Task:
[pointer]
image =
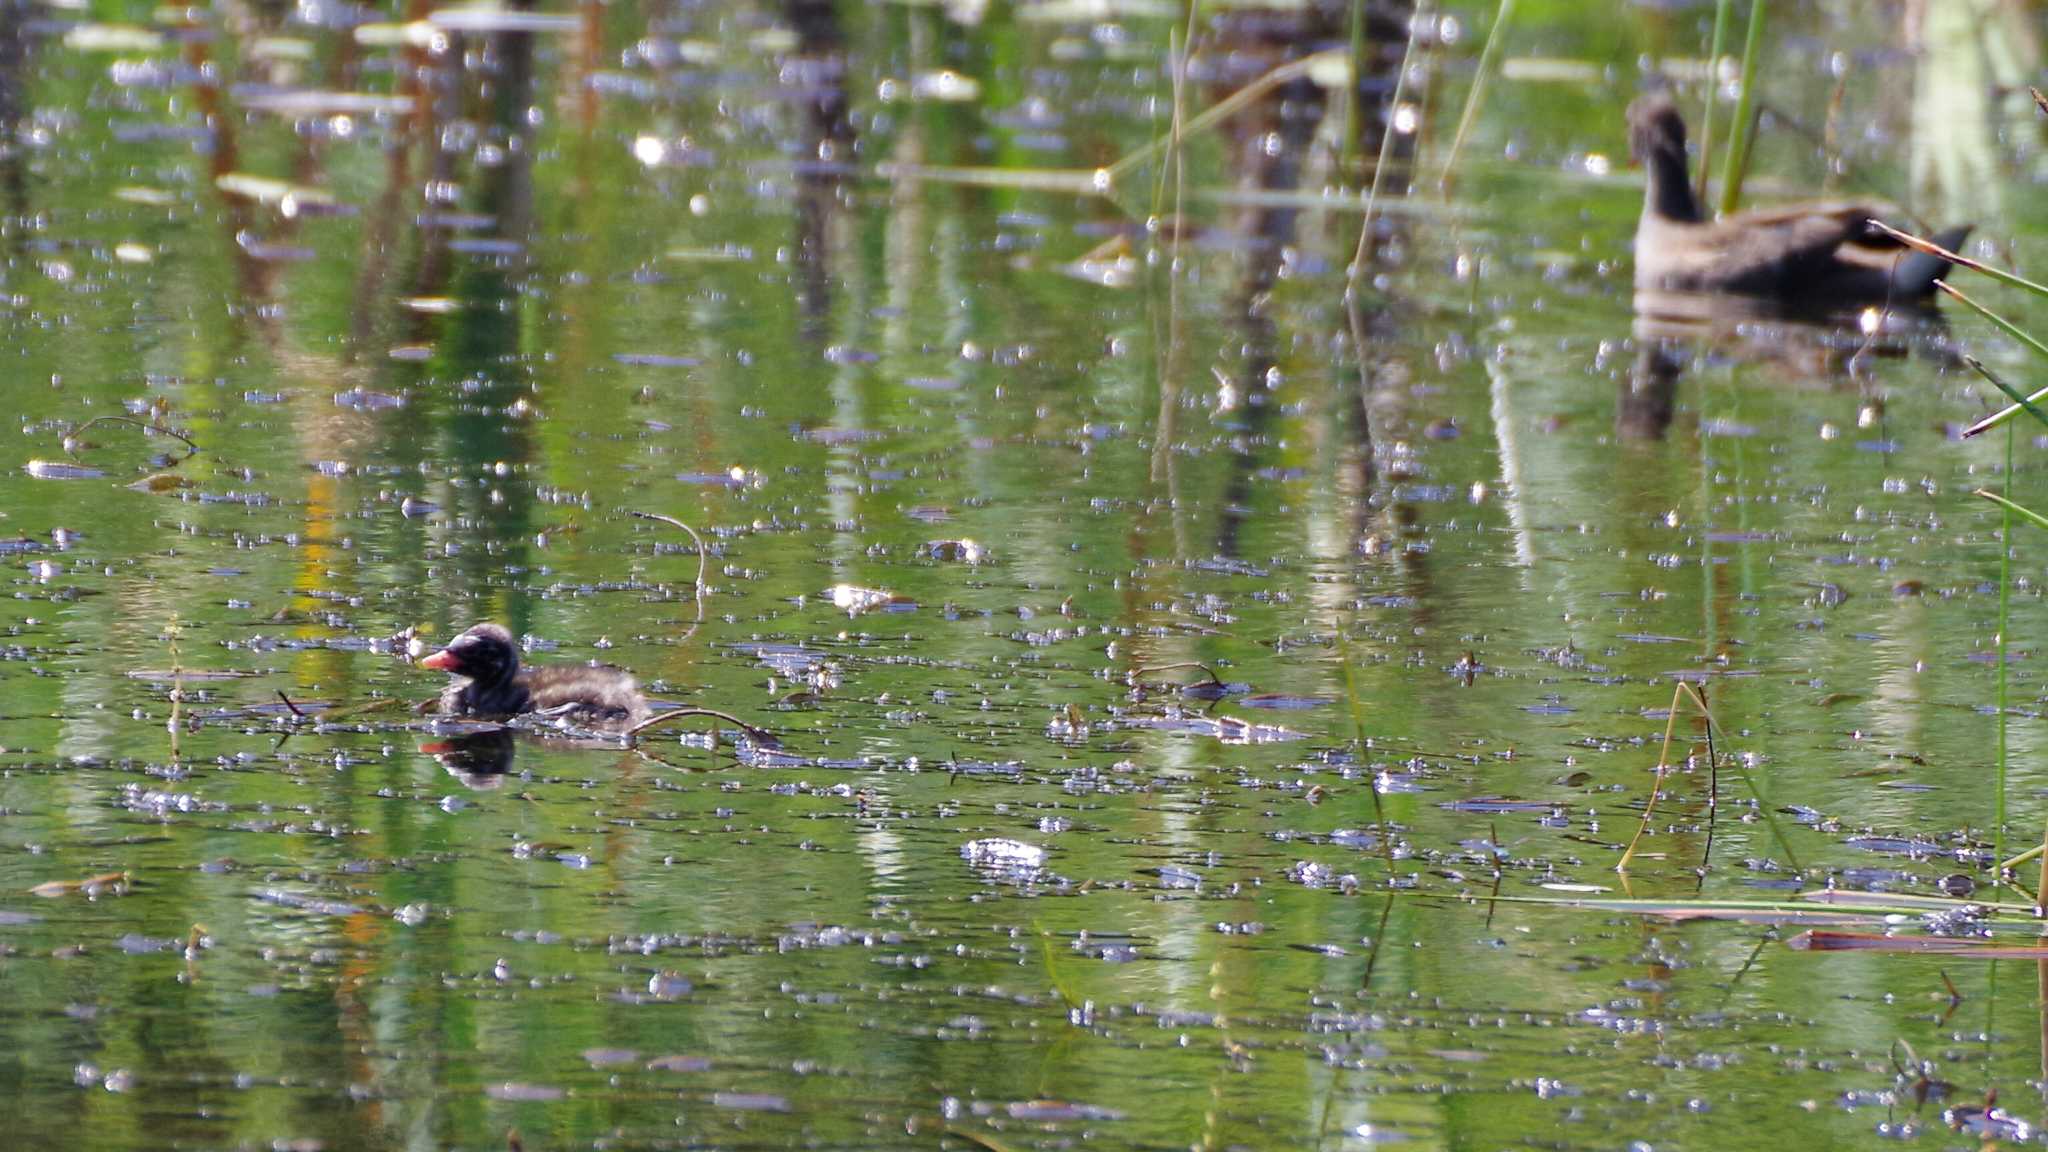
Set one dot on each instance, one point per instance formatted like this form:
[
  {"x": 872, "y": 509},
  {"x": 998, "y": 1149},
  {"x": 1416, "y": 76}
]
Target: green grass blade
[
  {"x": 1714, "y": 51},
  {"x": 2012, "y": 393},
  {"x": 2027, "y": 514},
  {"x": 1055, "y": 971},
  {"x": 1477, "y": 96},
  {"x": 2014, "y": 331},
  {"x": 1736, "y": 166}
]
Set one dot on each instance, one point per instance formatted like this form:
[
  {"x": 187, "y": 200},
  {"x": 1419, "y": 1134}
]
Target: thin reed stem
[
  {"x": 1221, "y": 109},
  {"x": 1737, "y": 164},
  {"x": 1716, "y": 47},
  {"x": 1477, "y": 96},
  {"x": 2004, "y": 626}
]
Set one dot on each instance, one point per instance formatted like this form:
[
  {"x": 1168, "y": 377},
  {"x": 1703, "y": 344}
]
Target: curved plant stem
[
  {"x": 697, "y": 593},
  {"x": 1663, "y": 765},
  {"x": 1687, "y": 691},
  {"x": 143, "y": 424}
]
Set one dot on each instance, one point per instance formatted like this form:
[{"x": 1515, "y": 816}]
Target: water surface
[{"x": 1066, "y": 557}]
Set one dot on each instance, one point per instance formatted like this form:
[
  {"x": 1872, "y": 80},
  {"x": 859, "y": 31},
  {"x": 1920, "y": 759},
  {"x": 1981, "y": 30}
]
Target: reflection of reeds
[
  {"x": 1175, "y": 171},
  {"x": 1354, "y": 707},
  {"x": 1353, "y": 100},
  {"x": 1473, "y": 100},
  {"x": 1355, "y": 275},
  {"x": 1971, "y": 60},
  {"x": 1223, "y": 108}
]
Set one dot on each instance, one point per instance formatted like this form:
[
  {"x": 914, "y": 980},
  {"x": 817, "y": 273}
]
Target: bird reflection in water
[
  {"x": 1672, "y": 331},
  {"x": 481, "y": 760}
]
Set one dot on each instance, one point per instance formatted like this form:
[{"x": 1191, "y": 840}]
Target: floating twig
[
  {"x": 1816, "y": 941},
  {"x": 288, "y": 703},
  {"x": 1132, "y": 677},
  {"x": 143, "y": 424},
  {"x": 981, "y": 1138},
  {"x": 90, "y": 884},
  {"x": 760, "y": 735}
]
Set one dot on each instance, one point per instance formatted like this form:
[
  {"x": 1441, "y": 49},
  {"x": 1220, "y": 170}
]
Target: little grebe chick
[{"x": 493, "y": 683}]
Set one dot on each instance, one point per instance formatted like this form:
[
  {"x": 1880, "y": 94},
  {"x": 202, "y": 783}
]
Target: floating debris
[
  {"x": 750, "y": 1101},
  {"x": 159, "y": 483},
  {"x": 1109, "y": 264},
  {"x": 288, "y": 198},
  {"x": 1009, "y": 860},
  {"x": 56, "y": 470},
  {"x": 307, "y": 102},
  {"x": 104, "y": 884},
  {"x": 492, "y": 19},
  {"x": 112, "y": 38},
  {"x": 944, "y": 86},
  {"x": 724, "y": 254},
  {"x": 513, "y": 1090},
  {"x": 961, "y": 551},
  {"x": 364, "y": 400},
  {"x": 855, "y": 600},
  {"x": 150, "y": 197}
]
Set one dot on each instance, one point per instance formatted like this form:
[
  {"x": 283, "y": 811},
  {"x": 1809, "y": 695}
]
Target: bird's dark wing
[{"x": 1759, "y": 252}]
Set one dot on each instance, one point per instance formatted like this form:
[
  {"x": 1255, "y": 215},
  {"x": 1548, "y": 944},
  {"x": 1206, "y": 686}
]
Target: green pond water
[{"x": 829, "y": 284}]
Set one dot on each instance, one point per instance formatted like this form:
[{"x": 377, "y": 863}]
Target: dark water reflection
[{"x": 1053, "y": 534}]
